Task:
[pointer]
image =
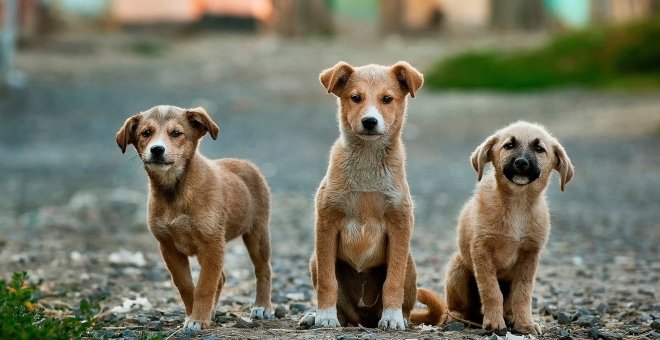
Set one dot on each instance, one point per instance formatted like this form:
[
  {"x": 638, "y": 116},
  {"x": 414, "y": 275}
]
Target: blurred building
[{"x": 302, "y": 17}]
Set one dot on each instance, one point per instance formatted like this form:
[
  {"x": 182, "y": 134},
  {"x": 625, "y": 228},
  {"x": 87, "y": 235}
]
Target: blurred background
[{"x": 73, "y": 208}]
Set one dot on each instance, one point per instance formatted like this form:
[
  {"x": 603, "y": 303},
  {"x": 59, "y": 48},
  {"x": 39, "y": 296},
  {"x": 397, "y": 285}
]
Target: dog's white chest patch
[{"x": 362, "y": 242}]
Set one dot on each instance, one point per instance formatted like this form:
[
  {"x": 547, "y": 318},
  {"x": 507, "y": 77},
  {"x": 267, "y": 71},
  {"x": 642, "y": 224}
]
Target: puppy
[
  {"x": 503, "y": 228},
  {"x": 362, "y": 268},
  {"x": 197, "y": 204}
]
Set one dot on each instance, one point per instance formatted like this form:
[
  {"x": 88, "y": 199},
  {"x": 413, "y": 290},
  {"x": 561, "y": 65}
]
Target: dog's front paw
[
  {"x": 392, "y": 319},
  {"x": 495, "y": 324},
  {"x": 308, "y": 320},
  {"x": 326, "y": 318},
  {"x": 529, "y": 328},
  {"x": 259, "y": 313},
  {"x": 194, "y": 325}
]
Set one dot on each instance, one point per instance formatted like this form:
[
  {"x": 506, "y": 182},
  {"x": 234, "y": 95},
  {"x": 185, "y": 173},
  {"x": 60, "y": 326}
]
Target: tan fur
[
  {"x": 364, "y": 213},
  {"x": 196, "y": 205},
  {"x": 502, "y": 230}
]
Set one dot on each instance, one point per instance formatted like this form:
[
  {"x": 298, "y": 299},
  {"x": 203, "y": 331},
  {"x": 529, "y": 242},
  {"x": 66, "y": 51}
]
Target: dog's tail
[{"x": 435, "y": 311}]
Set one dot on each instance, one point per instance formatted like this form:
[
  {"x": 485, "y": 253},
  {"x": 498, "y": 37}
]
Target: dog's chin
[
  {"x": 520, "y": 180},
  {"x": 158, "y": 165},
  {"x": 369, "y": 136}
]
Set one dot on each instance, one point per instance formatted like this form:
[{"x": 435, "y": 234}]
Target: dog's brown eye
[
  {"x": 176, "y": 133},
  {"x": 387, "y": 99},
  {"x": 146, "y": 133},
  {"x": 539, "y": 149},
  {"x": 509, "y": 146},
  {"x": 356, "y": 98}
]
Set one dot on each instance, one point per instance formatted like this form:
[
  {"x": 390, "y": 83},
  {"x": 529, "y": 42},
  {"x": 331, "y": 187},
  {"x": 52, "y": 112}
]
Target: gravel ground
[{"x": 72, "y": 207}]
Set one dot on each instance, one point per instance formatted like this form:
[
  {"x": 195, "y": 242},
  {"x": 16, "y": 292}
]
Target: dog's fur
[
  {"x": 362, "y": 268},
  {"x": 197, "y": 204},
  {"x": 503, "y": 228}
]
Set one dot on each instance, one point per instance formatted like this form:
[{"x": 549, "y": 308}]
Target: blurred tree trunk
[
  {"x": 302, "y": 17},
  {"x": 517, "y": 14}
]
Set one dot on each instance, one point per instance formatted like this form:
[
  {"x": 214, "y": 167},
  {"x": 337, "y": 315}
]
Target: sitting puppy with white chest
[
  {"x": 362, "y": 268},
  {"x": 503, "y": 228},
  {"x": 196, "y": 205}
]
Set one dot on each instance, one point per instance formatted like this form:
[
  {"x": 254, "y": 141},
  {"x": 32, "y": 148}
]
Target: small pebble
[
  {"x": 242, "y": 323},
  {"x": 156, "y": 326},
  {"x": 129, "y": 334},
  {"x": 564, "y": 318},
  {"x": 188, "y": 333},
  {"x": 586, "y": 320},
  {"x": 369, "y": 336},
  {"x": 655, "y": 325},
  {"x": 220, "y": 319},
  {"x": 142, "y": 319},
  {"x": 280, "y": 311},
  {"x": 455, "y": 326}
]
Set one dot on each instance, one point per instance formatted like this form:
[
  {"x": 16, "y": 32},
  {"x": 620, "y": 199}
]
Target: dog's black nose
[
  {"x": 157, "y": 150},
  {"x": 521, "y": 163},
  {"x": 369, "y": 123}
]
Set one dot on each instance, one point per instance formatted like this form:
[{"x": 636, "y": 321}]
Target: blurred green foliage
[
  {"x": 621, "y": 56},
  {"x": 22, "y": 318}
]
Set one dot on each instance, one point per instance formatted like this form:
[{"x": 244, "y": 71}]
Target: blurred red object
[{"x": 149, "y": 11}]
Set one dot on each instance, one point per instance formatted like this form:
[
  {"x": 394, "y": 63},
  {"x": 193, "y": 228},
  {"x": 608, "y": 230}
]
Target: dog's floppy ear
[
  {"x": 563, "y": 166},
  {"x": 335, "y": 78},
  {"x": 409, "y": 78},
  {"x": 202, "y": 122},
  {"x": 482, "y": 155},
  {"x": 126, "y": 134}
]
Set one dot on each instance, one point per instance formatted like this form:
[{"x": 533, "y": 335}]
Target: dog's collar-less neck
[
  {"x": 528, "y": 195},
  {"x": 171, "y": 191}
]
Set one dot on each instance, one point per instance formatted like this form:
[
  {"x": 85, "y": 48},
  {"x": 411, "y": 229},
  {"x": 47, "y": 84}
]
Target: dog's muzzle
[{"x": 522, "y": 170}]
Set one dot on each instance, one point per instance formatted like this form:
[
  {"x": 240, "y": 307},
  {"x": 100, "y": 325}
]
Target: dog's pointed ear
[
  {"x": 334, "y": 79},
  {"x": 563, "y": 165},
  {"x": 409, "y": 78},
  {"x": 202, "y": 122},
  {"x": 127, "y": 133},
  {"x": 482, "y": 155}
]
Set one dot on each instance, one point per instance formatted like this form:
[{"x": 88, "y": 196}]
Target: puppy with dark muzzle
[{"x": 503, "y": 228}]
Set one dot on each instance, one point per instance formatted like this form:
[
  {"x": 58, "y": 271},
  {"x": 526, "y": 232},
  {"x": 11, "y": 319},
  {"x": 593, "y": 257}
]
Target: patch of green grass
[
  {"x": 623, "y": 56},
  {"x": 148, "y": 48},
  {"x": 22, "y": 318}
]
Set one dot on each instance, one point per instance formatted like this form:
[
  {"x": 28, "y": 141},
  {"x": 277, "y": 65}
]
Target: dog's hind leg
[
  {"x": 457, "y": 289},
  {"x": 223, "y": 278},
  {"x": 257, "y": 242}
]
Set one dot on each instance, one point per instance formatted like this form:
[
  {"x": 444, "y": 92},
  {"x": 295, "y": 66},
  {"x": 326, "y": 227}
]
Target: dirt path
[{"x": 69, "y": 199}]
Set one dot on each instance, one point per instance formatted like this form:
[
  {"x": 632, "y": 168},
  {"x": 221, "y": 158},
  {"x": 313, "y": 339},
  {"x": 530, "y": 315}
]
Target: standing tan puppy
[
  {"x": 503, "y": 228},
  {"x": 197, "y": 204},
  {"x": 362, "y": 268}
]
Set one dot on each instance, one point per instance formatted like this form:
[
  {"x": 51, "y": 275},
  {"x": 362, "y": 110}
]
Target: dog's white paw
[
  {"x": 192, "y": 325},
  {"x": 307, "y": 320},
  {"x": 532, "y": 328},
  {"x": 327, "y": 318},
  {"x": 392, "y": 319},
  {"x": 259, "y": 313}
]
